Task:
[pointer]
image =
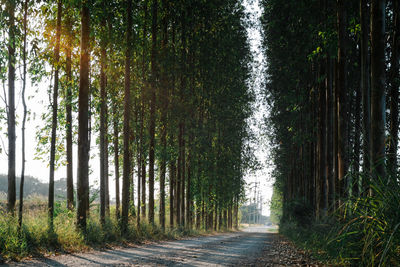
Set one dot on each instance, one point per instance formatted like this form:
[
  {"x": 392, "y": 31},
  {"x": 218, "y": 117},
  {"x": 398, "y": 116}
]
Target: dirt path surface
[{"x": 251, "y": 247}]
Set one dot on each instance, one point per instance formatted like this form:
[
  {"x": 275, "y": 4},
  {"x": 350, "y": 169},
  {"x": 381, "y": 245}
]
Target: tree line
[
  {"x": 164, "y": 85},
  {"x": 333, "y": 85}
]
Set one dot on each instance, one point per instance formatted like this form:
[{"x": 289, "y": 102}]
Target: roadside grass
[
  {"x": 364, "y": 231},
  {"x": 35, "y": 239}
]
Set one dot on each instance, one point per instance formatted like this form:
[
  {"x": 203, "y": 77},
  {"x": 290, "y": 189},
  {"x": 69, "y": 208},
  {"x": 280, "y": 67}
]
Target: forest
[
  {"x": 162, "y": 89},
  {"x": 333, "y": 90}
]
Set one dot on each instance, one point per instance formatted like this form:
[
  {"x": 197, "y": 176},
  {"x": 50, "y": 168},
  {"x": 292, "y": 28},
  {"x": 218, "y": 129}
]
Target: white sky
[
  {"x": 262, "y": 176},
  {"x": 39, "y": 101}
]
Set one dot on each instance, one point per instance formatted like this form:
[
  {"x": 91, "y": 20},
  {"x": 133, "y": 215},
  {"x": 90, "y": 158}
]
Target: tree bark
[
  {"x": 342, "y": 111},
  {"x": 356, "y": 160},
  {"x": 179, "y": 180},
  {"x": 188, "y": 192},
  {"x": 127, "y": 110},
  {"x": 142, "y": 144},
  {"x": 11, "y": 193},
  {"x": 21, "y": 186},
  {"x": 83, "y": 138},
  {"x": 103, "y": 118},
  {"x": 172, "y": 191},
  {"x": 378, "y": 83},
  {"x": 68, "y": 115},
  {"x": 394, "y": 90},
  {"x": 152, "y": 109},
  {"x": 116, "y": 158},
  {"x": 164, "y": 100},
  {"x": 54, "y": 117},
  {"x": 330, "y": 130},
  {"x": 366, "y": 93},
  {"x": 182, "y": 121}
]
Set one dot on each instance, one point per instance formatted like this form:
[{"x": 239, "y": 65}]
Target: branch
[{"x": 2, "y": 142}]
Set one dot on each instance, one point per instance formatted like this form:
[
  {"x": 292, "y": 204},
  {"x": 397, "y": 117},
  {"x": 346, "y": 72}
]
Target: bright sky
[
  {"x": 39, "y": 101},
  {"x": 262, "y": 176}
]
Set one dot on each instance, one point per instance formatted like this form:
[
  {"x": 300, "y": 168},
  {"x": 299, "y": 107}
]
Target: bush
[{"x": 365, "y": 231}]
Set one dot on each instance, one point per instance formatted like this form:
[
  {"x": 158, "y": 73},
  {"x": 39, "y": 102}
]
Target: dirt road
[{"x": 244, "y": 248}]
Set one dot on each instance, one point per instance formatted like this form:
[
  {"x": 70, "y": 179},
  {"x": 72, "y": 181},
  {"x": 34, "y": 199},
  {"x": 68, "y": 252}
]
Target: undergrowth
[
  {"x": 364, "y": 231},
  {"x": 35, "y": 239}
]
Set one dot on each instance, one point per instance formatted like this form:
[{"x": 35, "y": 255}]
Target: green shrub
[{"x": 365, "y": 231}]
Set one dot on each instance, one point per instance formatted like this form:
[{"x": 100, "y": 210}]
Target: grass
[
  {"x": 364, "y": 231},
  {"x": 35, "y": 239}
]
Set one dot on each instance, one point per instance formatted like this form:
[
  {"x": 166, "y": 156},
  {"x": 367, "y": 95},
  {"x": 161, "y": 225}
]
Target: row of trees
[
  {"x": 333, "y": 66},
  {"x": 165, "y": 83}
]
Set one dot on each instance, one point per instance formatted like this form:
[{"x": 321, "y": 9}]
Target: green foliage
[
  {"x": 365, "y": 231},
  {"x": 276, "y": 206}
]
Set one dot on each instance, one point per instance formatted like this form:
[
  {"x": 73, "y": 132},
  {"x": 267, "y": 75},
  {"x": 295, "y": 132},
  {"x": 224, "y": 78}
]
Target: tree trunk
[
  {"x": 164, "y": 100},
  {"x": 54, "y": 117},
  {"x": 103, "y": 118},
  {"x": 21, "y": 186},
  {"x": 183, "y": 177},
  {"x": 172, "y": 191},
  {"x": 329, "y": 122},
  {"x": 366, "y": 93},
  {"x": 142, "y": 145},
  {"x": 127, "y": 110},
  {"x": 322, "y": 179},
  {"x": 116, "y": 158},
  {"x": 188, "y": 192},
  {"x": 342, "y": 112},
  {"x": 394, "y": 90},
  {"x": 143, "y": 167},
  {"x": 178, "y": 182},
  {"x": 152, "y": 110},
  {"x": 139, "y": 164},
  {"x": 378, "y": 83},
  {"x": 182, "y": 123},
  {"x": 83, "y": 138},
  {"x": 356, "y": 160},
  {"x": 68, "y": 115},
  {"x": 11, "y": 194},
  {"x": 139, "y": 179}
]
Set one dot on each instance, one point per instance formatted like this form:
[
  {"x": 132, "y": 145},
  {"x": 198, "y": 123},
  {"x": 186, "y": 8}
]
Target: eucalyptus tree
[
  {"x": 24, "y": 72},
  {"x": 378, "y": 86},
  {"x": 11, "y": 194},
  {"x": 127, "y": 111},
  {"x": 54, "y": 114},
  {"x": 83, "y": 102}
]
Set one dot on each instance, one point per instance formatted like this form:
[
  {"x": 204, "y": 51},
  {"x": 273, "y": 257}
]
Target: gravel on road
[{"x": 254, "y": 246}]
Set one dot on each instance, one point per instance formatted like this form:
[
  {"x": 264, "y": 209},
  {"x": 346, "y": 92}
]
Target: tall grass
[
  {"x": 35, "y": 239},
  {"x": 364, "y": 231}
]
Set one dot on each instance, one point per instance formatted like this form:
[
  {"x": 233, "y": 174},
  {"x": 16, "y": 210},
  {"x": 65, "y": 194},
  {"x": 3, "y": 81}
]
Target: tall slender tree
[
  {"x": 127, "y": 110},
  {"x": 342, "y": 96},
  {"x": 83, "y": 116},
  {"x": 68, "y": 111},
  {"x": 152, "y": 108},
  {"x": 21, "y": 186},
  {"x": 54, "y": 114},
  {"x": 378, "y": 85},
  {"x": 365, "y": 88},
  {"x": 11, "y": 195},
  {"x": 394, "y": 89}
]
